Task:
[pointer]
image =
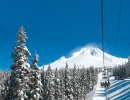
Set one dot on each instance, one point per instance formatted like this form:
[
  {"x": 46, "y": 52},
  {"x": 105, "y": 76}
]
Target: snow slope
[
  {"x": 99, "y": 92},
  {"x": 88, "y": 56},
  {"x": 118, "y": 90}
]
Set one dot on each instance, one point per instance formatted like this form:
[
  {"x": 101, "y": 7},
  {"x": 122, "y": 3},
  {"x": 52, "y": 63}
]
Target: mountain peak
[
  {"x": 62, "y": 58},
  {"x": 93, "y": 51},
  {"x": 88, "y": 56}
]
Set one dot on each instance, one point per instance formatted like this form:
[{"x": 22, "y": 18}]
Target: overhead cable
[
  {"x": 123, "y": 52},
  {"x": 102, "y": 22}
]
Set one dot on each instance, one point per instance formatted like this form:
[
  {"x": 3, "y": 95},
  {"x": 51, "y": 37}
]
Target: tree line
[
  {"x": 68, "y": 84},
  {"x": 122, "y": 71},
  {"x": 27, "y": 82}
]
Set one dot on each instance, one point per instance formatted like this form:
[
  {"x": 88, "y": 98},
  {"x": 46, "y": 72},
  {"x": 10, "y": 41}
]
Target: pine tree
[
  {"x": 36, "y": 89},
  {"x": 20, "y": 69},
  {"x": 57, "y": 87},
  {"x": 119, "y": 71},
  {"x": 49, "y": 85},
  {"x": 83, "y": 83},
  {"x": 93, "y": 76},
  {"x": 122, "y": 71},
  {"x": 5, "y": 90},
  {"x": 68, "y": 85},
  {"x": 62, "y": 84},
  {"x": 4, "y": 85},
  {"x": 43, "y": 79},
  {"x": 128, "y": 67},
  {"x": 75, "y": 84},
  {"x": 88, "y": 81},
  {"x": 115, "y": 72}
]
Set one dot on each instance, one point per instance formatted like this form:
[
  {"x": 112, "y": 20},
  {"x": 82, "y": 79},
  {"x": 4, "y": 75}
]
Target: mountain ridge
[{"x": 87, "y": 56}]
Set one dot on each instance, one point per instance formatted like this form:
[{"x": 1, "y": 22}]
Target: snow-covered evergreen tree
[
  {"x": 122, "y": 74},
  {"x": 75, "y": 84},
  {"x": 88, "y": 81},
  {"x": 4, "y": 85},
  {"x": 83, "y": 83},
  {"x": 18, "y": 89},
  {"x": 127, "y": 68},
  {"x": 115, "y": 72},
  {"x": 62, "y": 84},
  {"x": 68, "y": 85},
  {"x": 5, "y": 90},
  {"x": 36, "y": 87},
  {"x": 49, "y": 85},
  {"x": 122, "y": 71},
  {"x": 43, "y": 79},
  {"x": 57, "y": 87},
  {"x": 93, "y": 76}
]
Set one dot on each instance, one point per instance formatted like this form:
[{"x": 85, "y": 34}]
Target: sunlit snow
[
  {"x": 88, "y": 56},
  {"x": 118, "y": 90}
]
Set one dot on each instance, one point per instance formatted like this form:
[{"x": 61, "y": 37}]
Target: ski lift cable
[
  {"x": 123, "y": 52},
  {"x": 102, "y": 22},
  {"x": 118, "y": 26}
]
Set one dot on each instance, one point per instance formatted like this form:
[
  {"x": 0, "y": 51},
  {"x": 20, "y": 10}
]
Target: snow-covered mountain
[{"x": 88, "y": 56}]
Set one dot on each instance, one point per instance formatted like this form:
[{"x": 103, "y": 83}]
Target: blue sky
[{"x": 57, "y": 27}]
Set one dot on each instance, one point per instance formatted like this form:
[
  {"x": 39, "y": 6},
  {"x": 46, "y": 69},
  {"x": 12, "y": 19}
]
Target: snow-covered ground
[
  {"x": 88, "y": 56},
  {"x": 99, "y": 92},
  {"x": 119, "y": 90}
]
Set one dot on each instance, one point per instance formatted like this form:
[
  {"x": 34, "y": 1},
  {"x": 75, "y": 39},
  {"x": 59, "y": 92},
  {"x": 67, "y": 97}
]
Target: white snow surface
[
  {"x": 118, "y": 90},
  {"x": 99, "y": 92},
  {"x": 87, "y": 56}
]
